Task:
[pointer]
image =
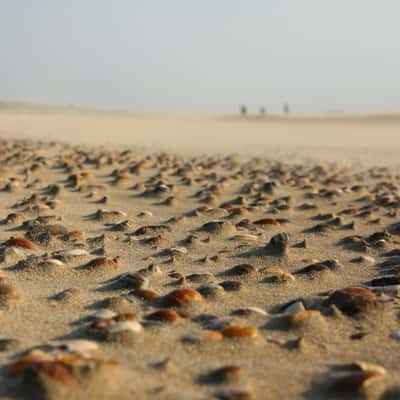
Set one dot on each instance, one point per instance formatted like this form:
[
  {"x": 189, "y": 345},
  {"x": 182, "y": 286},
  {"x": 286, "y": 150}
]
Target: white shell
[
  {"x": 123, "y": 326},
  {"x": 295, "y": 307},
  {"x": 52, "y": 261},
  {"x": 75, "y": 252},
  {"x": 256, "y": 310},
  {"x": 105, "y": 313},
  {"x": 178, "y": 250},
  {"x": 79, "y": 346}
]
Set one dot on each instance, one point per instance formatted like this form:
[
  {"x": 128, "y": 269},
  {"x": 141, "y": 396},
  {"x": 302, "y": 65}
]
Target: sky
[{"x": 209, "y": 56}]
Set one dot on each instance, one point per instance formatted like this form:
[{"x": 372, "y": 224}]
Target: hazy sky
[{"x": 202, "y": 56}]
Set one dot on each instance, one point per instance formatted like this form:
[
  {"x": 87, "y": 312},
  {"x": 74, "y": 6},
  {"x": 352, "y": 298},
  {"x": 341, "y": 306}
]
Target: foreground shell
[
  {"x": 355, "y": 300},
  {"x": 180, "y": 297},
  {"x": 21, "y": 243}
]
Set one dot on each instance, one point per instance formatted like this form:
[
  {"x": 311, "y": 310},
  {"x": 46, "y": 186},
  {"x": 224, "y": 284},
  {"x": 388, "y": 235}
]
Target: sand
[{"x": 325, "y": 177}]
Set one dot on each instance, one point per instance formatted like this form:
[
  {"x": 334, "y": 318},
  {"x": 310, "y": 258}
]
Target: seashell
[
  {"x": 71, "y": 254},
  {"x": 51, "y": 262},
  {"x": 356, "y": 382},
  {"x": 300, "y": 317},
  {"x": 368, "y": 367},
  {"x": 277, "y": 275},
  {"x": 240, "y": 332},
  {"x": 280, "y": 242},
  {"x": 127, "y": 316},
  {"x": 247, "y": 311},
  {"x": 177, "y": 251},
  {"x": 36, "y": 356},
  {"x": 109, "y": 216},
  {"x": 124, "y": 326},
  {"x": 203, "y": 337},
  {"x": 133, "y": 280},
  {"x": 14, "y": 218},
  {"x": 266, "y": 221},
  {"x": 211, "y": 290},
  {"x": 355, "y": 300},
  {"x": 151, "y": 229},
  {"x": 21, "y": 243},
  {"x": 101, "y": 262},
  {"x": 231, "y": 286},
  {"x": 294, "y": 307},
  {"x": 200, "y": 277},
  {"x": 165, "y": 315},
  {"x": 219, "y": 228},
  {"x": 181, "y": 297},
  {"x": 241, "y": 269},
  {"x": 322, "y": 266},
  {"x": 145, "y": 294},
  {"x": 362, "y": 259},
  {"x": 116, "y": 303}
]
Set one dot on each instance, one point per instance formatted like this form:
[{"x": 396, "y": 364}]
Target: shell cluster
[{"x": 165, "y": 276}]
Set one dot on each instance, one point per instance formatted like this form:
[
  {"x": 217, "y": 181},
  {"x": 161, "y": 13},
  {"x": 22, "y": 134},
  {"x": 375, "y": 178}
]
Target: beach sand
[{"x": 193, "y": 203}]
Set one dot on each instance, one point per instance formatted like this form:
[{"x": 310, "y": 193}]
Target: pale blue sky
[{"x": 202, "y": 56}]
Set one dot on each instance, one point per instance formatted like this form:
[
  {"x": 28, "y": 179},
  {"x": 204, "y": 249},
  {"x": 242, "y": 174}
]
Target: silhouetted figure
[
  {"x": 243, "y": 110},
  {"x": 286, "y": 109},
  {"x": 263, "y": 111}
]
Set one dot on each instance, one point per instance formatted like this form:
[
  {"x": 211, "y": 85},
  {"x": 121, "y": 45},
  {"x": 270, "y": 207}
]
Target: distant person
[
  {"x": 263, "y": 111},
  {"x": 286, "y": 109},
  {"x": 243, "y": 110}
]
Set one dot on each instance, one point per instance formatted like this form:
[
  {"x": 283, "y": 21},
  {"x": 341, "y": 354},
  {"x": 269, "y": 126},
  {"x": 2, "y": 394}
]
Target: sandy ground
[
  {"x": 370, "y": 139},
  {"x": 313, "y": 178}
]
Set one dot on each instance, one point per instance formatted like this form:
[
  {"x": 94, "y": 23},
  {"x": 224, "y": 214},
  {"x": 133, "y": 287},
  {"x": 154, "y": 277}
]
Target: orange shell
[
  {"x": 21, "y": 242},
  {"x": 240, "y": 331},
  {"x": 164, "y": 315},
  {"x": 180, "y": 297}
]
